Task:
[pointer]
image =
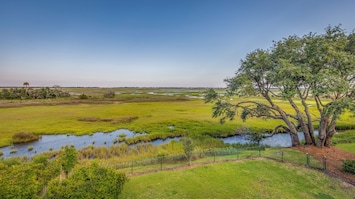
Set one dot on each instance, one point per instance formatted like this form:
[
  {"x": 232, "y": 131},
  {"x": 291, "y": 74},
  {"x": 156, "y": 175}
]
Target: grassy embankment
[
  {"x": 345, "y": 140},
  {"x": 246, "y": 179},
  {"x": 159, "y": 112}
]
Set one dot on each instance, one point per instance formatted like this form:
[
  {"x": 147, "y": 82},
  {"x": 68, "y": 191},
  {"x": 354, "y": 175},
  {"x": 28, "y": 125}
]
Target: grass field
[
  {"x": 159, "y": 112},
  {"x": 347, "y": 147},
  {"x": 244, "y": 179},
  {"x": 345, "y": 140}
]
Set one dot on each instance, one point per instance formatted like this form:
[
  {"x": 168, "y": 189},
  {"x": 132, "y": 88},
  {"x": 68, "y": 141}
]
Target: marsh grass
[
  {"x": 13, "y": 151},
  {"x": 150, "y": 117},
  {"x": 148, "y": 110},
  {"x": 24, "y": 137},
  {"x": 347, "y": 136}
]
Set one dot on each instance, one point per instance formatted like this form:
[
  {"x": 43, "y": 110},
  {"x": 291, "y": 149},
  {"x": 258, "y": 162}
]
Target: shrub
[
  {"x": 110, "y": 94},
  {"x": 68, "y": 159},
  {"x": 32, "y": 93},
  {"x": 40, "y": 159},
  {"x": 83, "y": 96},
  {"x": 349, "y": 166},
  {"x": 19, "y": 181},
  {"x": 24, "y": 137},
  {"x": 1, "y": 153},
  {"x": 9, "y": 162},
  {"x": 91, "y": 181}
]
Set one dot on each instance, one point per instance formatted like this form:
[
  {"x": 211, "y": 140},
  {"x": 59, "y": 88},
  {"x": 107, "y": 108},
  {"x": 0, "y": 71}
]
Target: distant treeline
[{"x": 32, "y": 93}]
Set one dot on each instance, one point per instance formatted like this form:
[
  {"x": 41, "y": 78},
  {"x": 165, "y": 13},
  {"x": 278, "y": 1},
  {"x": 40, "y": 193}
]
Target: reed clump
[{"x": 24, "y": 137}]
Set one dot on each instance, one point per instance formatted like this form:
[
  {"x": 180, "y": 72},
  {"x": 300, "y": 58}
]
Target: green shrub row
[{"x": 32, "y": 93}]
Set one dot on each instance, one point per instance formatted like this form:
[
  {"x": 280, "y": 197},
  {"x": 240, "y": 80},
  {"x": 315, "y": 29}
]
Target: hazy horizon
[{"x": 157, "y": 43}]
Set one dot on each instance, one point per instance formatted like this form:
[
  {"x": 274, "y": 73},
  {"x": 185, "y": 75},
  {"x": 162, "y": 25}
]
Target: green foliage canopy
[
  {"x": 318, "y": 68},
  {"x": 68, "y": 159},
  {"x": 91, "y": 181}
]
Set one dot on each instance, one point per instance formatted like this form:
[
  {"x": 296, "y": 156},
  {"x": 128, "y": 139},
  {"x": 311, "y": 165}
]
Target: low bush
[
  {"x": 110, "y": 94},
  {"x": 349, "y": 166},
  {"x": 83, "y": 96},
  {"x": 91, "y": 181}
]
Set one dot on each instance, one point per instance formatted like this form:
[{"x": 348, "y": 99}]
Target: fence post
[
  {"x": 324, "y": 163},
  {"x": 307, "y": 159},
  {"x": 214, "y": 156},
  {"x": 282, "y": 156},
  {"x": 161, "y": 163}
]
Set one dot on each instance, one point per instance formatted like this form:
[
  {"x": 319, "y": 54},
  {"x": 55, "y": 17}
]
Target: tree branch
[{"x": 274, "y": 131}]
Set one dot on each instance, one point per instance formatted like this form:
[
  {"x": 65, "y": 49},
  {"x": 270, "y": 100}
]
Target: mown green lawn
[
  {"x": 347, "y": 147},
  {"x": 244, "y": 179}
]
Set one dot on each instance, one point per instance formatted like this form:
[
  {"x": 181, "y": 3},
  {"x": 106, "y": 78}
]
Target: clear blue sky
[{"x": 147, "y": 43}]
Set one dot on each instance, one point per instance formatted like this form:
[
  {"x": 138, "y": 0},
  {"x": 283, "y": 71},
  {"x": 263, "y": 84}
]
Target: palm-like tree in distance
[{"x": 26, "y": 84}]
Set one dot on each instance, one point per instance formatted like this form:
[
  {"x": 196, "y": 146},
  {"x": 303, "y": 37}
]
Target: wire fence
[{"x": 160, "y": 163}]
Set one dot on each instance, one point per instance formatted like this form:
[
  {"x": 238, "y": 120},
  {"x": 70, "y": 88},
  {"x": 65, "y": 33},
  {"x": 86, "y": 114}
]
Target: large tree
[{"x": 314, "y": 68}]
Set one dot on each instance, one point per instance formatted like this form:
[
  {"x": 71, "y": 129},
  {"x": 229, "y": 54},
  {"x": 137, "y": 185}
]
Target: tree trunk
[
  {"x": 303, "y": 124},
  {"x": 293, "y": 131},
  {"x": 294, "y": 139},
  {"x": 330, "y": 131},
  {"x": 328, "y": 138},
  {"x": 309, "y": 120},
  {"x": 322, "y": 132}
]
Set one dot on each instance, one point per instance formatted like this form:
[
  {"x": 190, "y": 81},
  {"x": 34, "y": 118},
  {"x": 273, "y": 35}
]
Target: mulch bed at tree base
[{"x": 334, "y": 160}]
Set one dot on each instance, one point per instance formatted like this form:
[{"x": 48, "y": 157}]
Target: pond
[{"x": 56, "y": 142}]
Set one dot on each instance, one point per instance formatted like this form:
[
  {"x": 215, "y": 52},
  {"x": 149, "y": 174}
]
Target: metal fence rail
[{"x": 228, "y": 154}]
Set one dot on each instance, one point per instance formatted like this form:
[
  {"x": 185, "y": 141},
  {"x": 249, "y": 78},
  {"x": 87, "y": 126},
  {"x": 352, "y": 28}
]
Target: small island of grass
[{"x": 24, "y": 137}]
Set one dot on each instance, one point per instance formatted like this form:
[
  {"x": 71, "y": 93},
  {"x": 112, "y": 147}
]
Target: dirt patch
[{"x": 334, "y": 159}]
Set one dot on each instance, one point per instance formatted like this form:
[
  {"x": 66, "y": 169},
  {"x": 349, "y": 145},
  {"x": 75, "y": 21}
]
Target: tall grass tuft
[{"x": 24, "y": 137}]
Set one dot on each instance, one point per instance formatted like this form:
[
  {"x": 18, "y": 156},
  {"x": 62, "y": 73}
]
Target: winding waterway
[{"x": 56, "y": 142}]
